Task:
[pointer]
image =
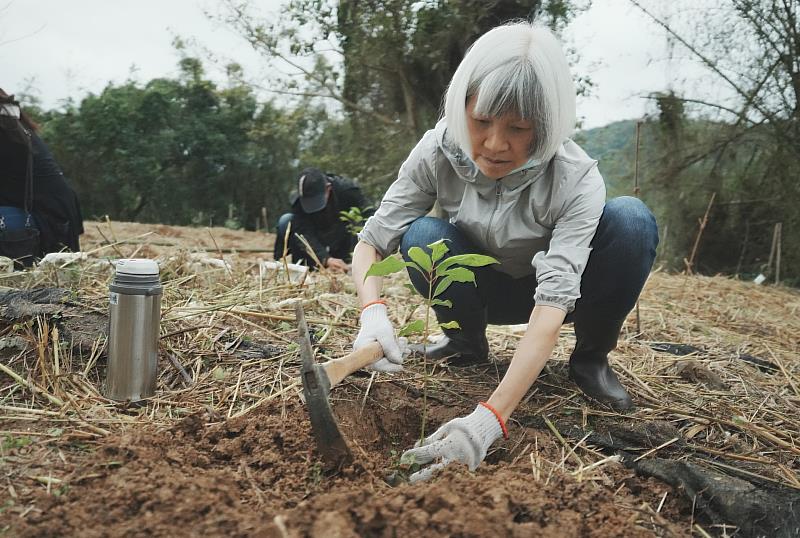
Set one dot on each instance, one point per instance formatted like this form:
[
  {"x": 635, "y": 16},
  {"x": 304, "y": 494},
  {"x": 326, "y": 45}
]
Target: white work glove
[
  {"x": 465, "y": 439},
  {"x": 375, "y": 326}
]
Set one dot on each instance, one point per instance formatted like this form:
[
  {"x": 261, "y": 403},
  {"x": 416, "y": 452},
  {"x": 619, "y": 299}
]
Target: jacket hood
[{"x": 467, "y": 170}]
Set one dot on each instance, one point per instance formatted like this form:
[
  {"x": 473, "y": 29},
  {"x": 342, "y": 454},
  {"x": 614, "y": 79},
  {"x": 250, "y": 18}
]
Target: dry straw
[{"x": 228, "y": 346}]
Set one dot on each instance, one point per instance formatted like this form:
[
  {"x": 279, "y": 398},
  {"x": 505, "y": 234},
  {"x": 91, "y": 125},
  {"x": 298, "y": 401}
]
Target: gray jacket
[{"x": 540, "y": 218}]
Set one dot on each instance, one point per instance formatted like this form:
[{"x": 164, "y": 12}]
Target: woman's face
[{"x": 500, "y": 144}]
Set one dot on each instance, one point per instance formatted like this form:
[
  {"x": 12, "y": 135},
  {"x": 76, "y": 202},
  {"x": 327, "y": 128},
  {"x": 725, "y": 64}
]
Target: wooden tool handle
[{"x": 338, "y": 369}]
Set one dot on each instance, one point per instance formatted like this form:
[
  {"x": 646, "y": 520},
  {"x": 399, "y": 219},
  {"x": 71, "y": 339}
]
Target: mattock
[{"x": 318, "y": 380}]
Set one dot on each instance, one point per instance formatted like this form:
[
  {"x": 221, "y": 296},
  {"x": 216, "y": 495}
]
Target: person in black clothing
[
  {"x": 316, "y": 216},
  {"x": 54, "y": 207}
]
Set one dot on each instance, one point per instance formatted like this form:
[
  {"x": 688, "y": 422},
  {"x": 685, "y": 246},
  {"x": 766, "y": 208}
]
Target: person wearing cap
[
  {"x": 513, "y": 186},
  {"x": 316, "y": 216}
]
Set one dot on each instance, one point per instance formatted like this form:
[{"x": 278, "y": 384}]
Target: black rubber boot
[
  {"x": 460, "y": 347},
  {"x": 588, "y": 365},
  {"x": 457, "y": 350}
]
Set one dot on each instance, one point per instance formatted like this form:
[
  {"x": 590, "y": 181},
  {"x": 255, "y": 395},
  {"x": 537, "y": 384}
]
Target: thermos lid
[{"x": 137, "y": 266}]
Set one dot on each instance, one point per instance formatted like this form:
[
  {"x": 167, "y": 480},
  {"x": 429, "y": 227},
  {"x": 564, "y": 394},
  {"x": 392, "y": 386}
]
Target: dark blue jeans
[{"x": 623, "y": 251}]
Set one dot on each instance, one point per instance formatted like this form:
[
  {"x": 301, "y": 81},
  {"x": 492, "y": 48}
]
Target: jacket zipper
[{"x": 497, "y": 194}]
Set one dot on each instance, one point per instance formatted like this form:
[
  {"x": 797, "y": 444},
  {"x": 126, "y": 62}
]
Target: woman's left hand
[{"x": 465, "y": 440}]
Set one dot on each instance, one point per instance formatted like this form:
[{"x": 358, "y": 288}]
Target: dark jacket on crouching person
[{"x": 325, "y": 231}]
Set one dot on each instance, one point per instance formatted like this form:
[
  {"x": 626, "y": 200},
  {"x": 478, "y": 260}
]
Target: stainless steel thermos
[{"x": 134, "y": 318}]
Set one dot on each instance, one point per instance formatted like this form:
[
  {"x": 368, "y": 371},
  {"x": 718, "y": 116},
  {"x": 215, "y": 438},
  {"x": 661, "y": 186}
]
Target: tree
[
  {"x": 750, "y": 147},
  {"x": 385, "y": 64},
  {"x": 177, "y": 151}
]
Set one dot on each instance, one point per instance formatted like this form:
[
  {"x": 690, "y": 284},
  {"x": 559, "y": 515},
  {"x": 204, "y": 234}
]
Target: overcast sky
[{"x": 65, "y": 49}]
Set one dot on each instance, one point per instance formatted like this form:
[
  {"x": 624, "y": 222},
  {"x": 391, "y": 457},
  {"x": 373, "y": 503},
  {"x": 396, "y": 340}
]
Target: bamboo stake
[
  {"x": 778, "y": 231},
  {"x": 636, "y": 193},
  {"x": 703, "y": 222},
  {"x": 773, "y": 247},
  {"x": 636, "y": 160}
]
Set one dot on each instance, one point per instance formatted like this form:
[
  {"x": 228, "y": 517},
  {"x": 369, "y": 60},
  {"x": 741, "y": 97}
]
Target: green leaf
[
  {"x": 460, "y": 274},
  {"x": 438, "y": 249},
  {"x": 411, "y": 288},
  {"x": 385, "y": 267},
  {"x": 450, "y": 325},
  {"x": 443, "y": 284},
  {"x": 439, "y": 302},
  {"x": 418, "y": 269},
  {"x": 415, "y": 327},
  {"x": 421, "y": 258},
  {"x": 467, "y": 260}
]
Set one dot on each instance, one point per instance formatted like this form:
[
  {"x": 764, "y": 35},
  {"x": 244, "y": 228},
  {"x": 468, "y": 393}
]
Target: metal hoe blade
[{"x": 316, "y": 388}]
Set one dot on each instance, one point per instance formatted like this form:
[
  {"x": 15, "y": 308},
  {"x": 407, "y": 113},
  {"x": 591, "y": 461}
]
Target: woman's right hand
[{"x": 376, "y": 327}]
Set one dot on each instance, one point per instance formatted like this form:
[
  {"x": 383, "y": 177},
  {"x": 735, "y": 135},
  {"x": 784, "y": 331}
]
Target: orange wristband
[
  {"x": 498, "y": 417},
  {"x": 379, "y": 301}
]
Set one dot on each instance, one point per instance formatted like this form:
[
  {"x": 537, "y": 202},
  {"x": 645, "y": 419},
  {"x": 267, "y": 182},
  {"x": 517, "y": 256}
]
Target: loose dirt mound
[{"x": 257, "y": 475}]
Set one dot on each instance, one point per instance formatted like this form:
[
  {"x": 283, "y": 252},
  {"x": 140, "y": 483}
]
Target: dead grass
[{"x": 736, "y": 396}]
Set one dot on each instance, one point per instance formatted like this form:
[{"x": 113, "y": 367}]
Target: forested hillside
[
  {"x": 185, "y": 374},
  {"x": 189, "y": 150},
  {"x": 678, "y": 183},
  {"x": 613, "y": 147}
]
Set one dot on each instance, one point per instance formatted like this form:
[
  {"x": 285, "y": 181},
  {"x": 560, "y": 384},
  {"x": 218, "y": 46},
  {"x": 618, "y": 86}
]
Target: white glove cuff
[
  {"x": 373, "y": 313},
  {"x": 486, "y": 424}
]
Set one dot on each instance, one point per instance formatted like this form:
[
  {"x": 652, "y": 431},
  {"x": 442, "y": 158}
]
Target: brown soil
[
  {"x": 259, "y": 476},
  {"x": 177, "y": 466}
]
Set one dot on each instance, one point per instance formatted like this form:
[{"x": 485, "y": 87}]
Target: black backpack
[{"x": 21, "y": 244}]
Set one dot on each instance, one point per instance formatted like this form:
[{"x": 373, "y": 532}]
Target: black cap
[{"x": 311, "y": 187}]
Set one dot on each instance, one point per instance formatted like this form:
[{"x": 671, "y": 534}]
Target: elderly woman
[{"x": 513, "y": 186}]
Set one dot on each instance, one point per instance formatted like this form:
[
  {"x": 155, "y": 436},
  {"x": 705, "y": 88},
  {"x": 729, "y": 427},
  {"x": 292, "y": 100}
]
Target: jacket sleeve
[
  {"x": 560, "y": 267},
  {"x": 410, "y": 197},
  {"x": 302, "y": 225}
]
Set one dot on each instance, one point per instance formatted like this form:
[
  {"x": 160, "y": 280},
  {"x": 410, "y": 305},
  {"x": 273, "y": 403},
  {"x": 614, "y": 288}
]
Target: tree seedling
[
  {"x": 439, "y": 273},
  {"x": 401, "y": 469},
  {"x": 353, "y": 219}
]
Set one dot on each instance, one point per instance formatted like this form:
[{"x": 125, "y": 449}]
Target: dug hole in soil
[{"x": 259, "y": 475}]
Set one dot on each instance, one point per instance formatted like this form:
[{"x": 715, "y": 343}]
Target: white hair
[{"x": 518, "y": 68}]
